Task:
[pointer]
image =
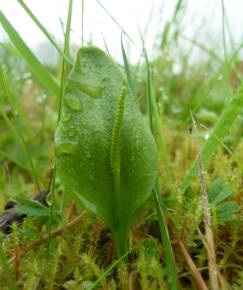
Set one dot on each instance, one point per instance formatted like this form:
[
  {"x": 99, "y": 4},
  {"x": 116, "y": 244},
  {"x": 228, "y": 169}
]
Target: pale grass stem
[{"x": 212, "y": 263}]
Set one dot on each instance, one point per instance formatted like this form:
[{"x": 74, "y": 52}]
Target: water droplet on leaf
[
  {"x": 65, "y": 148},
  {"x": 73, "y": 102},
  {"x": 93, "y": 90},
  {"x": 66, "y": 117}
]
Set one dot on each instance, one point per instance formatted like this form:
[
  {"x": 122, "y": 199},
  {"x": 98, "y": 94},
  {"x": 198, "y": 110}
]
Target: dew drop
[
  {"x": 65, "y": 148},
  {"x": 66, "y": 117},
  {"x": 93, "y": 90},
  {"x": 73, "y": 102}
]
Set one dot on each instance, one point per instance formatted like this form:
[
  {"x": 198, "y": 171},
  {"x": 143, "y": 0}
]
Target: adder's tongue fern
[
  {"x": 115, "y": 142},
  {"x": 105, "y": 154}
]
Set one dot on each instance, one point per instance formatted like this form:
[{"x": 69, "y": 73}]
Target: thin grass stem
[{"x": 6, "y": 269}]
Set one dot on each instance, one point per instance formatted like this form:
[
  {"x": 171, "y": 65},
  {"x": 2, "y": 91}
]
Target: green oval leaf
[{"x": 105, "y": 154}]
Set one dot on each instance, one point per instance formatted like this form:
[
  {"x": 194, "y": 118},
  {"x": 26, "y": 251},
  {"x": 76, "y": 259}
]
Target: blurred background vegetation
[{"x": 203, "y": 84}]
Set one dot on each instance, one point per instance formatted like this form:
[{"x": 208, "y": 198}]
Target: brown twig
[
  {"x": 111, "y": 253},
  {"x": 95, "y": 235},
  {"x": 70, "y": 210},
  {"x": 132, "y": 277},
  {"x": 212, "y": 264},
  {"x": 195, "y": 273}
]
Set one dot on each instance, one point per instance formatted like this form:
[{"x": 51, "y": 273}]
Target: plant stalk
[{"x": 212, "y": 263}]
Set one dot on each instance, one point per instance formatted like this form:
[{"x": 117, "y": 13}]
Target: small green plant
[
  {"x": 223, "y": 211},
  {"x": 105, "y": 154}
]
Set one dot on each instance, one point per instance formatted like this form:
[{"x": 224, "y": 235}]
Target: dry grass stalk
[
  {"x": 195, "y": 273},
  {"x": 212, "y": 263}
]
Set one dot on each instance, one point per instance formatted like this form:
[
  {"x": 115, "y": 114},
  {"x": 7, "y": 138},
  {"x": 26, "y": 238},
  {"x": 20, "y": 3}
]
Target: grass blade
[
  {"x": 224, "y": 69},
  {"x": 61, "y": 92},
  {"x": 105, "y": 43},
  {"x": 164, "y": 233},
  {"x": 153, "y": 110},
  {"x": 46, "y": 79},
  {"x": 66, "y": 52},
  {"x": 223, "y": 30},
  {"x": 45, "y": 31},
  {"x": 17, "y": 131},
  {"x": 222, "y": 144},
  {"x": 115, "y": 21},
  {"x": 6, "y": 269},
  {"x": 204, "y": 48},
  {"x": 106, "y": 273},
  {"x": 12, "y": 159},
  {"x": 62, "y": 85},
  {"x": 82, "y": 24},
  {"x": 220, "y": 130},
  {"x": 127, "y": 68},
  {"x": 165, "y": 237}
]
